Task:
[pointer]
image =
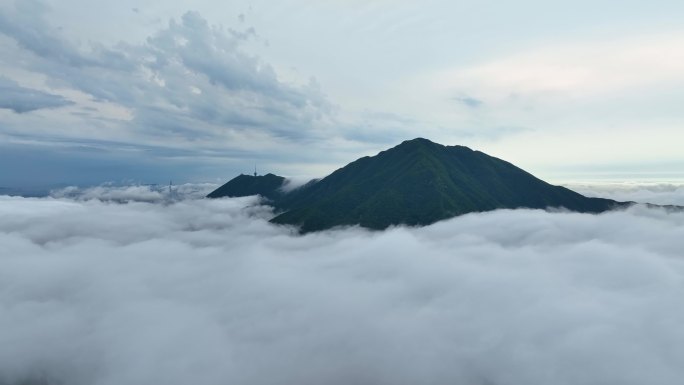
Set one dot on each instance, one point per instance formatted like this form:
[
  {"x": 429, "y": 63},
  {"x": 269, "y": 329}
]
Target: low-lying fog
[{"x": 197, "y": 291}]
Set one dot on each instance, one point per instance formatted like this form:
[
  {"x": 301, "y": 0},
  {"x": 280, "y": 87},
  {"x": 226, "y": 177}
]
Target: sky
[
  {"x": 152, "y": 91},
  {"x": 110, "y": 276},
  {"x": 206, "y": 291},
  {"x": 115, "y": 278}
]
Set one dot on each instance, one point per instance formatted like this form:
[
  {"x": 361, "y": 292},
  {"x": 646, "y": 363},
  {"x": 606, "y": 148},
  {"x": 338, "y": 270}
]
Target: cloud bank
[{"x": 208, "y": 292}]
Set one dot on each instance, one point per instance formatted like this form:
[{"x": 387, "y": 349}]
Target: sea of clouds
[{"x": 139, "y": 285}]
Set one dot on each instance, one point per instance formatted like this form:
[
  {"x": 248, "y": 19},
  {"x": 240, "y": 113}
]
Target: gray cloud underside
[
  {"x": 20, "y": 99},
  {"x": 207, "y": 292}
]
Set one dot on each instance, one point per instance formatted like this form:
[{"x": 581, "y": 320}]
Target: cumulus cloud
[
  {"x": 208, "y": 292},
  {"x": 21, "y": 99},
  {"x": 187, "y": 81}
]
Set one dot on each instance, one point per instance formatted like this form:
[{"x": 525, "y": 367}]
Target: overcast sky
[{"x": 149, "y": 91}]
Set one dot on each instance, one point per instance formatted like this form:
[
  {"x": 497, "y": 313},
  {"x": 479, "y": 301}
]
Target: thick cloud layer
[{"x": 207, "y": 292}]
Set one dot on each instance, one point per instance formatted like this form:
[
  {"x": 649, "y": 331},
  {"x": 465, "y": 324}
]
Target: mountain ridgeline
[{"x": 415, "y": 183}]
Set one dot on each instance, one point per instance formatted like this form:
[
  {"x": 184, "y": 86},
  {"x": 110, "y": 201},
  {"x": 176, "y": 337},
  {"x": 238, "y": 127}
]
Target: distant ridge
[{"x": 416, "y": 183}]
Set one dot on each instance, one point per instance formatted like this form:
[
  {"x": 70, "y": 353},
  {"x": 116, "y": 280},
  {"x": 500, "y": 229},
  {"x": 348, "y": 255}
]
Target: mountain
[
  {"x": 268, "y": 186},
  {"x": 417, "y": 182}
]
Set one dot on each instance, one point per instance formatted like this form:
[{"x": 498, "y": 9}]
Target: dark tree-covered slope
[{"x": 420, "y": 182}]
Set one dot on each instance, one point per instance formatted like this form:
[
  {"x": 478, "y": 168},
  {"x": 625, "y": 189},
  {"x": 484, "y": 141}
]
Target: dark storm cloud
[
  {"x": 207, "y": 292},
  {"x": 20, "y": 99}
]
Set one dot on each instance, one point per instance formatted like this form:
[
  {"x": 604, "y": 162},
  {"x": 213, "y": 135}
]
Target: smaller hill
[{"x": 268, "y": 186}]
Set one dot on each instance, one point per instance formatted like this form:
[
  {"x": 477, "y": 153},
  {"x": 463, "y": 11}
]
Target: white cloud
[
  {"x": 207, "y": 292},
  {"x": 190, "y": 85}
]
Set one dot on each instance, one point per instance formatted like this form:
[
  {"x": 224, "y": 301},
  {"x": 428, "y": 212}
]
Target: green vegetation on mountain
[{"x": 417, "y": 183}]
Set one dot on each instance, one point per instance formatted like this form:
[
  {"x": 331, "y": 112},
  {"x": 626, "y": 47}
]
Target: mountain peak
[
  {"x": 418, "y": 143},
  {"x": 418, "y": 140}
]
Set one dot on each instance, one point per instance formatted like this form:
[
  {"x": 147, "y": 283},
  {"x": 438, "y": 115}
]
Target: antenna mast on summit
[{"x": 255, "y": 174}]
